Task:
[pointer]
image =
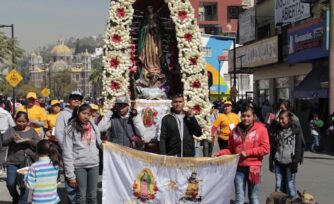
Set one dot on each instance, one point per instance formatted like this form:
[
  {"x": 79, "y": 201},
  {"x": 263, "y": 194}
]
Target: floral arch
[{"x": 118, "y": 56}]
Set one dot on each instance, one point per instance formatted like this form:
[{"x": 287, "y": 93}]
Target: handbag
[{"x": 135, "y": 142}]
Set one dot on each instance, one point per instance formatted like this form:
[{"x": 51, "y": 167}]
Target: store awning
[{"x": 311, "y": 86}]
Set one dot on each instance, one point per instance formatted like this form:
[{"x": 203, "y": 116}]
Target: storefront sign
[
  {"x": 290, "y": 11},
  {"x": 247, "y": 26},
  {"x": 257, "y": 54},
  {"x": 307, "y": 42}
]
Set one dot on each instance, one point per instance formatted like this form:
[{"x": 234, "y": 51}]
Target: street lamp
[{"x": 13, "y": 57}]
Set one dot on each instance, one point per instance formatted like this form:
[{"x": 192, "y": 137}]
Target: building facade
[
  {"x": 219, "y": 17},
  {"x": 63, "y": 61},
  {"x": 287, "y": 53}
]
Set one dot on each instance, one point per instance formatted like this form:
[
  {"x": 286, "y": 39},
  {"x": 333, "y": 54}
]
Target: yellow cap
[
  {"x": 94, "y": 106},
  {"x": 32, "y": 95},
  {"x": 228, "y": 103},
  {"x": 54, "y": 102}
]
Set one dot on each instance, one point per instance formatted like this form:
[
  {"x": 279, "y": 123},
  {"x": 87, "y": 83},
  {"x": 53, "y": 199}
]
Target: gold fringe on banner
[{"x": 169, "y": 161}]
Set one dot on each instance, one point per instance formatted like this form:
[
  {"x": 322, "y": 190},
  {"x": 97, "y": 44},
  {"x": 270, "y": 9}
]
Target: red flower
[
  {"x": 151, "y": 196},
  {"x": 197, "y": 109},
  {"x": 155, "y": 114},
  {"x": 136, "y": 194},
  {"x": 114, "y": 62},
  {"x": 116, "y": 38},
  {"x": 134, "y": 186},
  {"x": 182, "y": 15},
  {"x": 197, "y": 84},
  {"x": 115, "y": 85},
  {"x": 155, "y": 188},
  {"x": 188, "y": 37},
  {"x": 193, "y": 61},
  {"x": 120, "y": 12},
  {"x": 194, "y": 195}
]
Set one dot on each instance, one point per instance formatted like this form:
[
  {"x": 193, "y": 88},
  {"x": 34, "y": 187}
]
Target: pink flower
[
  {"x": 182, "y": 15},
  {"x": 133, "y": 69},
  {"x": 120, "y": 12},
  {"x": 193, "y": 61},
  {"x": 116, "y": 38},
  {"x": 197, "y": 84},
  {"x": 188, "y": 37},
  {"x": 114, "y": 62}
]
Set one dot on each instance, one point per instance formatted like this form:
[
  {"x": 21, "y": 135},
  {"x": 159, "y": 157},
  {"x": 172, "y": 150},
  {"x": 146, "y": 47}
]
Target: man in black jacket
[{"x": 177, "y": 130}]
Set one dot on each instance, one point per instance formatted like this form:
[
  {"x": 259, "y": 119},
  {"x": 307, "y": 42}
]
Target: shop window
[
  {"x": 263, "y": 95},
  {"x": 245, "y": 82},
  {"x": 263, "y": 31},
  {"x": 264, "y": 84},
  {"x": 282, "y": 93},
  {"x": 77, "y": 77}
]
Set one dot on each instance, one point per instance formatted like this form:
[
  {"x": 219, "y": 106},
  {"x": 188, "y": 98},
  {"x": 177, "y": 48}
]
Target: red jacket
[{"x": 256, "y": 145}]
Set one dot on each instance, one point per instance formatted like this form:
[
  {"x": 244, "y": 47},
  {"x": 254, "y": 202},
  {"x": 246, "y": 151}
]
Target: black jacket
[{"x": 170, "y": 141}]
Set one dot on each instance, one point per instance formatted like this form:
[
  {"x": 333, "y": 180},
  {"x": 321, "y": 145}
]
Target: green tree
[
  {"x": 62, "y": 85},
  {"x": 7, "y": 45},
  {"x": 96, "y": 76}
]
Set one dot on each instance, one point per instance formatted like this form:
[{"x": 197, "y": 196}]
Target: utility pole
[{"x": 331, "y": 59}]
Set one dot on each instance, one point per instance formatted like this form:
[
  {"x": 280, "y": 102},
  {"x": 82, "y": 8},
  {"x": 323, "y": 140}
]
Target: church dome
[{"x": 61, "y": 50}]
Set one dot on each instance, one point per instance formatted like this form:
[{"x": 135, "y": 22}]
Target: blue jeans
[
  {"x": 283, "y": 172},
  {"x": 87, "y": 179},
  {"x": 71, "y": 193},
  {"x": 11, "y": 185},
  {"x": 240, "y": 182},
  {"x": 316, "y": 142}
]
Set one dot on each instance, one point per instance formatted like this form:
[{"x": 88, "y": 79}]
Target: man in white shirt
[{"x": 6, "y": 121}]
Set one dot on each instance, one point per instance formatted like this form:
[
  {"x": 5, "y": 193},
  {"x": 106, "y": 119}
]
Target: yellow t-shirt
[
  {"x": 35, "y": 113},
  {"x": 223, "y": 122},
  {"x": 51, "y": 121}
]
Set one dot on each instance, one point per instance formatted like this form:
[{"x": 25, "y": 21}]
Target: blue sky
[{"x": 41, "y": 22}]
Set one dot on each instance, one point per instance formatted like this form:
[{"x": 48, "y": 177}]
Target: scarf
[{"x": 88, "y": 133}]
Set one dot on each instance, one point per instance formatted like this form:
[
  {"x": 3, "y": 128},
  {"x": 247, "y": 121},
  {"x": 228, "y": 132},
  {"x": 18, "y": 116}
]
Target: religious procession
[{"x": 154, "y": 135}]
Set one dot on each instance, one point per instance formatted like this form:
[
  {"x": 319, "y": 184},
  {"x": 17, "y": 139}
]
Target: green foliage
[
  {"x": 62, "y": 85},
  {"x": 96, "y": 76},
  {"x": 7, "y": 45}
]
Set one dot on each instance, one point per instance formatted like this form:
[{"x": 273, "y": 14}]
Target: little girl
[{"x": 42, "y": 175}]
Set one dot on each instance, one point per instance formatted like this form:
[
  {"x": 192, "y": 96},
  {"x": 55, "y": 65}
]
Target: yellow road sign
[
  {"x": 13, "y": 78},
  {"x": 45, "y": 92}
]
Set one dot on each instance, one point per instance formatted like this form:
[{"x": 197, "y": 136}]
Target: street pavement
[{"x": 314, "y": 176}]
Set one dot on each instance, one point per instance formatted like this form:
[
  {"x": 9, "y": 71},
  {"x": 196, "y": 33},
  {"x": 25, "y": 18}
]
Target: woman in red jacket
[{"x": 250, "y": 141}]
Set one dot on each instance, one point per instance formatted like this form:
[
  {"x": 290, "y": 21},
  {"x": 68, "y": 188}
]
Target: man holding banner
[{"x": 177, "y": 130}]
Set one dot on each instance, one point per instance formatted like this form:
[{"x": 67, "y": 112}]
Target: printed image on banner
[{"x": 141, "y": 177}]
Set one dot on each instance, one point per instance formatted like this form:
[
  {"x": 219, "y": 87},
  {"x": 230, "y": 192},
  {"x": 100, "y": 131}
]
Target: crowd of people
[{"x": 38, "y": 142}]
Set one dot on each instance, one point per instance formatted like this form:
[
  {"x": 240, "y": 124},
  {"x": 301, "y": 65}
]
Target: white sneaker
[{"x": 3, "y": 173}]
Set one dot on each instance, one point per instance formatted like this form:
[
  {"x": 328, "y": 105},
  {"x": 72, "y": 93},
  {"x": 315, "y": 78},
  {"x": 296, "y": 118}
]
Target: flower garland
[{"x": 118, "y": 62}]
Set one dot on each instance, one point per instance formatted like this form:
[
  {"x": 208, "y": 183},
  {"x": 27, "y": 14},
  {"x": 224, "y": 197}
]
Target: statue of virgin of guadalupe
[{"x": 150, "y": 51}]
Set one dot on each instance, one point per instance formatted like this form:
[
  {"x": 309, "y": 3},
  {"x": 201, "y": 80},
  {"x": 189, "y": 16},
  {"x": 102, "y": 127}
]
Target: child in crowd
[
  {"x": 286, "y": 152},
  {"x": 21, "y": 141},
  {"x": 81, "y": 154},
  {"x": 42, "y": 175}
]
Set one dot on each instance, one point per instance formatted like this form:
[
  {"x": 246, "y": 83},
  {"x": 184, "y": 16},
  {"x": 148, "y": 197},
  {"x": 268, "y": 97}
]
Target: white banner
[
  {"x": 290, "y": 11},
  {"x": 131, "y": 176}
]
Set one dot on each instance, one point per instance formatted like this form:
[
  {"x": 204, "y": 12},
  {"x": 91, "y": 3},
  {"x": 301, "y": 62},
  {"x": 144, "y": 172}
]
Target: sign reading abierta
[{"x": 290, "y": 11}]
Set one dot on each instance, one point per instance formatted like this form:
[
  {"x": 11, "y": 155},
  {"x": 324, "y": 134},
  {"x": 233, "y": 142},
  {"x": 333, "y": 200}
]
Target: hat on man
[
  {"x": 32, "y": 95},
  {"x": 122, "y": 99},
  {"x": 227, "y": 103},
  {"x": 55, "y": 102},
  {"x": 76, "y": 94}
]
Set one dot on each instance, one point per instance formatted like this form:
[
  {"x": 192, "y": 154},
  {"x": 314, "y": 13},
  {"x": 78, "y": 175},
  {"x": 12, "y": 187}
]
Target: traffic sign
[
  {"x": 13, "y": 78},
  {"x": 45, "y": 92}
]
